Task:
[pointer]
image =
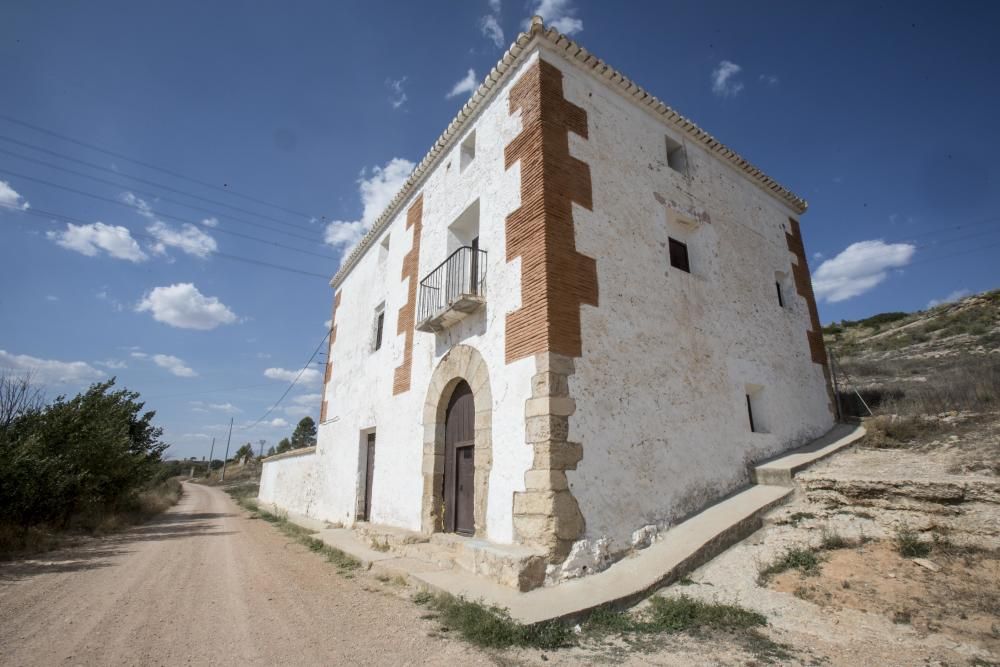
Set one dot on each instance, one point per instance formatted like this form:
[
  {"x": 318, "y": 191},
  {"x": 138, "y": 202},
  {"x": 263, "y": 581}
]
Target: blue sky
[{"x": 295, "y": 122}]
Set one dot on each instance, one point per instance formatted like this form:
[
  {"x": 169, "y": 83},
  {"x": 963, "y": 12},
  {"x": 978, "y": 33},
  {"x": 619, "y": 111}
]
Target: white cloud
[
  {"x": 957, "y": 295},
  {"x": 858, "y": 268},
  {"x": 174, "y": 365},
  {"x": 277, "y": 422},
  {"x": 328, "y": 324},
  {"x": 224, "y": 407},
  {"x": 559, "y": 14},
  {"x": 769, "y": 79},
  {"x": 183, "y": 306},
  {"x": 376, "y": 192},
  {"x": 303, "y": 405},
  {"x": 465, "y": 86},
  {"x": 9, "y": 198},
  {"x": 141, "y": 205},
  {"x": 490, "y": 27},
  {"x": 494, "y": 6},
  {"x": 51, "y": 297},
  {"x": 398, "y": 97},
  {"x": 113, "y": 364},
  {"x": 724, "y": 83},
  {"x": 138, "y": 355},
  {"x": 89, "y": 240},
  {"x": 49, "y": 371},
  {"x": 210, "y": 222},
  {"x": 309, "y": 375},
  {"x": 188, "y": 239}
]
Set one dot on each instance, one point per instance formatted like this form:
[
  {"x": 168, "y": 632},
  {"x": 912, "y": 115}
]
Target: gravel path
[{"x": 205, "y": 584}]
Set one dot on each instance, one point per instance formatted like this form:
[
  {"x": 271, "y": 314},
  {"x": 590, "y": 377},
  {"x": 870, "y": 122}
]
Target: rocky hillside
[{"x": 931, "y": 378}]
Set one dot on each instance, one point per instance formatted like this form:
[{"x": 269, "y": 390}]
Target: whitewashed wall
[
  {"x": 360, "y": 391},
  {"x": 660, "y": 389},
  {"x": 290, "y": 484}
]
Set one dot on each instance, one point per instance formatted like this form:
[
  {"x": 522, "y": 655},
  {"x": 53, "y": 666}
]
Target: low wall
[{"x": 288, "y": 482}]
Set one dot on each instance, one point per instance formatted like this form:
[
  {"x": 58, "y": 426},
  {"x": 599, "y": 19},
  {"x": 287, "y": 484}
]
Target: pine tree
[{"x": 304, "y": 434}]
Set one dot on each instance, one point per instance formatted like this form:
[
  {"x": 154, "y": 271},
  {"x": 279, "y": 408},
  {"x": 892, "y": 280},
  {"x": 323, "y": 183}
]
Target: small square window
[
  {"x": 468, "y": 151},
  {"x": 679, "y": 255},
  {"x": 377, "y": 327},
  {"x": 676, "y": 156},
  {"x": 383, "y": 250}
]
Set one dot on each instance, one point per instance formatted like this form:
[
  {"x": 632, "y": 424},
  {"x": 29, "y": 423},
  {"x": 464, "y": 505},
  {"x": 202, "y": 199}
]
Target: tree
[
  {"x": 82, "y": 456},
  {"x": 18, "y": 397},
  {"x": 284, "y": 445},
  {"x": 244, "y": 453},
  {"x": 304, "y": 434},
  {"x": 270, "y": 451}
]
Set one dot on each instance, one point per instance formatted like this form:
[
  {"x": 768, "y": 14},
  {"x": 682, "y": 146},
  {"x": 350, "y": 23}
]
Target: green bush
[{"x": 87, "y": 456}]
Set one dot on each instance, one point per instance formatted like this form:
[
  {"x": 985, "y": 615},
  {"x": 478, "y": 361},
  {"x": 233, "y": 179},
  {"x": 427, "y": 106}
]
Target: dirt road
[{"x": 205, "y": 584}]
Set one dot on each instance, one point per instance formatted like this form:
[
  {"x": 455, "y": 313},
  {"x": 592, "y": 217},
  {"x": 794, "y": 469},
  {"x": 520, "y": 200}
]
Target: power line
[
  {"x": 237, "y": 258},
  {"x": 297, "y": 377},
  {"x": 154, "y": 184},
  {"x": 147, "y": 165},
  {"x": 161, "y": 215}
]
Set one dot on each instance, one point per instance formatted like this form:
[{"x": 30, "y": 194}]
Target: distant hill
[{"x": 968, "y": 326}]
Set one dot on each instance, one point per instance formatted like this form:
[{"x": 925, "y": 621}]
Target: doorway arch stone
[{"x": 460, "y": 363}]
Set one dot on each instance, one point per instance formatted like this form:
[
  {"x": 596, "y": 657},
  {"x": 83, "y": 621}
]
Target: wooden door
[
  {"x": 369, "y": 477},
  {"x": 465, "y": 475},
  {"x": 459, "y": 463}
]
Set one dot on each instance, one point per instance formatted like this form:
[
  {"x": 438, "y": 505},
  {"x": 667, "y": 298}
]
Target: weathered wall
[
  {"x": 667, "y": 356},
  {"x": 290, "y": 483},
  {"x": 360, "y": 392}
]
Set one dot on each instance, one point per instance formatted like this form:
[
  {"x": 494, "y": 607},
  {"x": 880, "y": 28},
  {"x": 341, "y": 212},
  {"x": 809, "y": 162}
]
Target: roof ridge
[{"x": 572, "y": 51}]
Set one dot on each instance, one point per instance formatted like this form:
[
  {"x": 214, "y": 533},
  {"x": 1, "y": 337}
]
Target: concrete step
[{"x": 781, "y": 470}]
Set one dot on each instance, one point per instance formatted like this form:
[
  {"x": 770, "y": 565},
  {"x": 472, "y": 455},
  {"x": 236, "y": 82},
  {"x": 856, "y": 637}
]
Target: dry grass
[{"x": 20, "y": 541}]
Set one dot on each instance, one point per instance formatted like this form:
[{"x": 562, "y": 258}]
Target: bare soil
[{"x": 960, "y": 600}]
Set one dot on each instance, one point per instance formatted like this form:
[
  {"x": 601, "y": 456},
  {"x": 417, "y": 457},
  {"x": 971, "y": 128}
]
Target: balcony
[{"x": 456, "y": 288}]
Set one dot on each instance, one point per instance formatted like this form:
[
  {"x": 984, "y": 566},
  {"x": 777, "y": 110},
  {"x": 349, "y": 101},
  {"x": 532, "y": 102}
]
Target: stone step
[{"x": 385, "y": 538}]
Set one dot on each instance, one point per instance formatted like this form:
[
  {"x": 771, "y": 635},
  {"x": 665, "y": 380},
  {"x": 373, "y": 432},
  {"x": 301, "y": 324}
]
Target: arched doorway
[
  {"x": 460, "y": 462},
  {"x": 462, "y": 371}
]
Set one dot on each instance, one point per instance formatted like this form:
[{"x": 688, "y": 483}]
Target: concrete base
[{"x": 460, "y": 566}]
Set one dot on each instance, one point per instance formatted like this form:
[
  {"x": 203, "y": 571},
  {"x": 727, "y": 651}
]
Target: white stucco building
[{"x": 579, "y": 322}]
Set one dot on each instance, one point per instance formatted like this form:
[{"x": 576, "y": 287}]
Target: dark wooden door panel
[
  {"x": 369, "y": 475},
  {"x": 465, "y": 474},
  {"x": 460, "y": 423}
]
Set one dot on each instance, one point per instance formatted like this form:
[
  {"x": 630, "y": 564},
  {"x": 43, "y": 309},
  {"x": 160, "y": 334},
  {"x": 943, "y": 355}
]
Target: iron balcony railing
[{"x": 457, "y": 278}]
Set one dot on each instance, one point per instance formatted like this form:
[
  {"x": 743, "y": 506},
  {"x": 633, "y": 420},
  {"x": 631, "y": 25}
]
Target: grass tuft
[
  {"x": 493, "y": 627},
  {"x": 794, "y": 558},
  {"x": 909, "y": 544}
]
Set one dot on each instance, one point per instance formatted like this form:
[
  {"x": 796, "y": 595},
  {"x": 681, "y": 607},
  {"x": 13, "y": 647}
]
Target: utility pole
[
  {"x": 260, "y": 454},
  {"x": 211, "y": 452},
  {"x": 222, "y": 478}
]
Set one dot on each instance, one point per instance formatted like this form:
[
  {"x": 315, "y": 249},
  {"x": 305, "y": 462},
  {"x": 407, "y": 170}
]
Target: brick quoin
[
  {"x": 329, "y": 355},
  {"x": 405, "y": 321},
  {"x": 555, "y": 279},
  {"x": 803, "y": 285}
]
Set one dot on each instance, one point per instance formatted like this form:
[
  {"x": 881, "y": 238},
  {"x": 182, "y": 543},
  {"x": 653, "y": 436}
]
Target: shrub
[
  {"x": 87, "y": 456},
  {"x": 909, "y": 544}
]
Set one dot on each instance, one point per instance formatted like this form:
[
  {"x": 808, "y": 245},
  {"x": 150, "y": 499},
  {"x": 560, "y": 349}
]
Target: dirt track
[{"x": 204, "y": 584}]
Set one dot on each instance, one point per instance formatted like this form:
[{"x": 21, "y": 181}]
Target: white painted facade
[{"x": 668, "y": 357}]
